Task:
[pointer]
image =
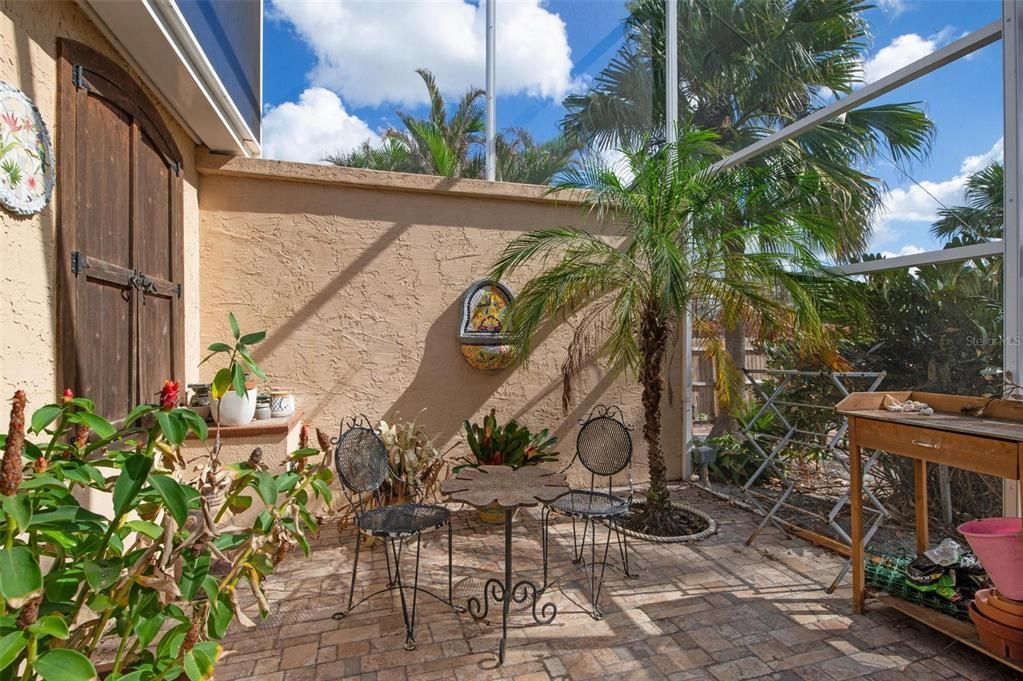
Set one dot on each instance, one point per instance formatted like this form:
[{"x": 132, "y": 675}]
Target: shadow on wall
[
  {"x": 456, "y": 391},
  {"x": 445, "y": 381},
  {"x": 328, "y": 292}
]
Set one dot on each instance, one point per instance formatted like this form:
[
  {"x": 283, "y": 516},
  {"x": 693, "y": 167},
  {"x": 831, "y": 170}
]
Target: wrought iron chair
[
  {"x": 361, "y": 460},
  {"x": 604, "y": 448}
]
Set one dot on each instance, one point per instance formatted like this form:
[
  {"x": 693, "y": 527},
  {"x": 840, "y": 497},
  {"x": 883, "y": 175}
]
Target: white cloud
[
  {"x": 893, "y": 8},
  {"x": 616, "y": 161},
  {"x": 902, "y": 50},
  {"x": 313, "y": 127},
  {"x": 368, "y": 51},
  {"x": 973, "y": 164},
  {"x": 908, "y": 249},
  {"x": 917, "y": 203}
]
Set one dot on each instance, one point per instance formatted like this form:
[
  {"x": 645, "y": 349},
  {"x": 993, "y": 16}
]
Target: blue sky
[{"x": 334, "y": 72}]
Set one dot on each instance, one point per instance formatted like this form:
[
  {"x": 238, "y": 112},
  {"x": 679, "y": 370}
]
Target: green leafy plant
[
  {"x": 512, "y": 444},
  {"x": 239, "y": 361},
  {"x": 155, "y": 576}
]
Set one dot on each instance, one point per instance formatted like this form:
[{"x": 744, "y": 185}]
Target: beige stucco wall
[
  {"x": 28, "y": 296},
  {"x": 357, "y": 276}
]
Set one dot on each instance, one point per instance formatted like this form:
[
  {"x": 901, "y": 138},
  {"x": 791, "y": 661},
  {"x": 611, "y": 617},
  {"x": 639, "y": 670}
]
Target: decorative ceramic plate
[{"x": 26, "y": 156}]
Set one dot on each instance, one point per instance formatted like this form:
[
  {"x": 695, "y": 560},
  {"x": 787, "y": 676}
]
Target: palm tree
[
  {"x": 630, "y": 290},
  {"x": 746, "y": 69},
  {"x": 982, "y": 218},
  {"x": 390, "y": 156},
  {"x": 439, "y": 144},
  {"x": 520, "y": 158}
]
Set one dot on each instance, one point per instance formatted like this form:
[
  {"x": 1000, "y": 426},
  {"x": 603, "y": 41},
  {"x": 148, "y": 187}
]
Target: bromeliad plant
[
  {"x": 509, "y": 445},
  {"x": 154, "y": 576}
]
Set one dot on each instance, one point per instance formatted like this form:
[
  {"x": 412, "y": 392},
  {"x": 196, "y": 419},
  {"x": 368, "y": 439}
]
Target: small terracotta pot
[
  {"x": 987, "y": 605},
  {"x": 998, "y": 638},
  {"x": 494, "y": 514},
  {"x": 1004, "y": 604}
]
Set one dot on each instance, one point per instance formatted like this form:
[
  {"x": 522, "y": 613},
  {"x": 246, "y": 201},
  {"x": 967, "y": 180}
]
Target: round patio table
[{"x": 507, "y": 488}]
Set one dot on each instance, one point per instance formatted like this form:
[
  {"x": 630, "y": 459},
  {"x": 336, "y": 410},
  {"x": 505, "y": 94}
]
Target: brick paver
[{"x": 717, "y": 610}]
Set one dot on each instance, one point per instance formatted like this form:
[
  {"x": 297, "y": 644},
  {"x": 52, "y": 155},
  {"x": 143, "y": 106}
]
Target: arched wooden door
[{"x": 120, "y": 211}]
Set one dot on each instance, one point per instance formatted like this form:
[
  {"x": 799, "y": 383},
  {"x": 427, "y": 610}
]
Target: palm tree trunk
[
  {"x": 657, "y": 510},
  {"x": 735, "y": 348}
]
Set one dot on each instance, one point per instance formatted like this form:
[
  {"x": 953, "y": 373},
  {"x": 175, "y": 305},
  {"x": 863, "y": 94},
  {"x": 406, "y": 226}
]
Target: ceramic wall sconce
[{"x": 481, "y": 333}]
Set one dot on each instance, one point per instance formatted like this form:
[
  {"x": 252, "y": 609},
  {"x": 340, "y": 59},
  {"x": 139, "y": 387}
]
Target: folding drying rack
[{"x": 831, "y": 444}]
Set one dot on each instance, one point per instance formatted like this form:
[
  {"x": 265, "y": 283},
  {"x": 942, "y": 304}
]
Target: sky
[{"x": 334, "y": 72}]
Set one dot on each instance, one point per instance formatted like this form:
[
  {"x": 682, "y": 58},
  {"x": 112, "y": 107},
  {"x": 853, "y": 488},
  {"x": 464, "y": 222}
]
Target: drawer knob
[{"x": 925, "y": 443}]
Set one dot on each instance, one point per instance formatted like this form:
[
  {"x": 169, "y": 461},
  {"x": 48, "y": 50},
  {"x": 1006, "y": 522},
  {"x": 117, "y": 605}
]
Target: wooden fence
[{"x": 704, "y": 375}]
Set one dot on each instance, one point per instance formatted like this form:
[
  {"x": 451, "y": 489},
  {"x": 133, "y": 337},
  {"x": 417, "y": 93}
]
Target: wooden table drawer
[{"x": 970, "y": 452}]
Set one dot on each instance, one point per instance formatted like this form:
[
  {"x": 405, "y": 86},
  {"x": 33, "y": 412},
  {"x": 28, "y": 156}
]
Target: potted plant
[
  {"x": 512, "y": 444},
  {"x": 233, "y": 391}
]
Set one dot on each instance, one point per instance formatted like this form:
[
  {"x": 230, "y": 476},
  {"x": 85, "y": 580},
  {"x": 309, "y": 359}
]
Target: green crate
[{"x": 889, "y": 575}]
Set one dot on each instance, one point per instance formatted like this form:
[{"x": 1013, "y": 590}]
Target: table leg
[
  {"x": 856, "y": 523},
  {"x": 504, "y": 592},
  {"x": 506, "y": 605},
  {"x": 920, "y": 489}
]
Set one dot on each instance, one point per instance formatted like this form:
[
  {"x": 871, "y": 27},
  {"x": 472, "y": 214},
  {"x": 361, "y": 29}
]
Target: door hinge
[
  {"x": 178, "y": 287},
  {"x": 177, "y": 168},
  {"x": 78, "y": 77},
  {"x": 77, "y": 262}
]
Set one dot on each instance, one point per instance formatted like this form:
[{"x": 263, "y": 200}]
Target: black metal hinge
[
  {"x": 178, "y": 287},
  {"x": 77, "y": 262},
  {"x": 78, "y": 77},
  {"x": 177, "y": 168}
]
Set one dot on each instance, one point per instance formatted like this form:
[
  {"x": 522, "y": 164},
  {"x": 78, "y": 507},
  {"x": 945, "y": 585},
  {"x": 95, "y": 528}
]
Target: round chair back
[
  {"x": 604, "y": 445},
  {"x": 361, "y": 459}
]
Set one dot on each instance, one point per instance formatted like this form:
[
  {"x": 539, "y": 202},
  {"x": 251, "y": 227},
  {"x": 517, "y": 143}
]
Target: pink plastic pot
[{"x": 996, "y": 541}]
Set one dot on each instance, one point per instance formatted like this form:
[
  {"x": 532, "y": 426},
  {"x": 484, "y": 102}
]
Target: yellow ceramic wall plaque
[{"x": 482, "y": 329}]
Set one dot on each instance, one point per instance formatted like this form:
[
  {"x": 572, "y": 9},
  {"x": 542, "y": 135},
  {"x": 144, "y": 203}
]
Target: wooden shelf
[
  {"x": 281, "y": 426},
  {"x": 962, "y": 631}
]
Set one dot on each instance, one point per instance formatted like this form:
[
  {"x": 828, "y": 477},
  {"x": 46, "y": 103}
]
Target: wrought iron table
[{"x": 508, "y": 489}]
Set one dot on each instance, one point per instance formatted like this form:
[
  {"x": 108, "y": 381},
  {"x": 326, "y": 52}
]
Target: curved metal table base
[{"x": 504, "y": 592}]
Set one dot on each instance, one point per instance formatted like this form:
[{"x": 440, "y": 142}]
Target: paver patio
[{"x": 713, "y": 610}]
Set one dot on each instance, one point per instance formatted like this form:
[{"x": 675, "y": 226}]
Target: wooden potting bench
[{"x": 978, "y": 434}]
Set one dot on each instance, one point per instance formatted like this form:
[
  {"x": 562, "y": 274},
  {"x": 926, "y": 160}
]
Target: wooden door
[{"x": 120, "y": 233}]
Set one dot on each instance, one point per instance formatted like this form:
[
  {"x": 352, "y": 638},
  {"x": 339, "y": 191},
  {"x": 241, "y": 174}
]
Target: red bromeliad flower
[
  {"x": 67, "y": 396},
  {"x": 169, "y": 394}
]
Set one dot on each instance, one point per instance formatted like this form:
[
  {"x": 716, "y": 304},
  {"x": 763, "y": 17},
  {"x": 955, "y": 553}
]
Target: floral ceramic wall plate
[{"x": 26, "y": 156}]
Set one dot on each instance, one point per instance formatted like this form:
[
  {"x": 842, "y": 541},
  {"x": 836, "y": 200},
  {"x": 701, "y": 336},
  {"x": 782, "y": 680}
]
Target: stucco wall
[
  {"x": 28, "y": 295},
  {"x": 357, "y": 277}
]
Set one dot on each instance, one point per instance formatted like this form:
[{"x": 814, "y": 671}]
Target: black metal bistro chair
[
  {"x": 604, "y": 448},
  {"x": 361, "y": 460}
]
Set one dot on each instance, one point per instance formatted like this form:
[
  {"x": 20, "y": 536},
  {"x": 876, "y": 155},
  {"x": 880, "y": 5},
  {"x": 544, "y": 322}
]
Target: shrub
[{"x": 156, "y": 574}]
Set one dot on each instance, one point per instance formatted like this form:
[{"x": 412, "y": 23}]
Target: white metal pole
[
  {"x": 1012, "y": 68},
  {"x": 491, "y": 131},
  {"x": 671, "y": 71},
  {"x": 957, "y": 49},
  {"x": 671, "y": 136}
]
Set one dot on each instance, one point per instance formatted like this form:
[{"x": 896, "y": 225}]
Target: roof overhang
[{"x": 154, "y": 37}]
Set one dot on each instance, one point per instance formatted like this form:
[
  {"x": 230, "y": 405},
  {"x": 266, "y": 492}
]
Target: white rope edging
[{"x": 712, "y": 528}]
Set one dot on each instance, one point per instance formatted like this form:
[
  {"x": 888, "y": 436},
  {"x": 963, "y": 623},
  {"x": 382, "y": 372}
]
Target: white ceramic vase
[{"x": 233, "y": 409}]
